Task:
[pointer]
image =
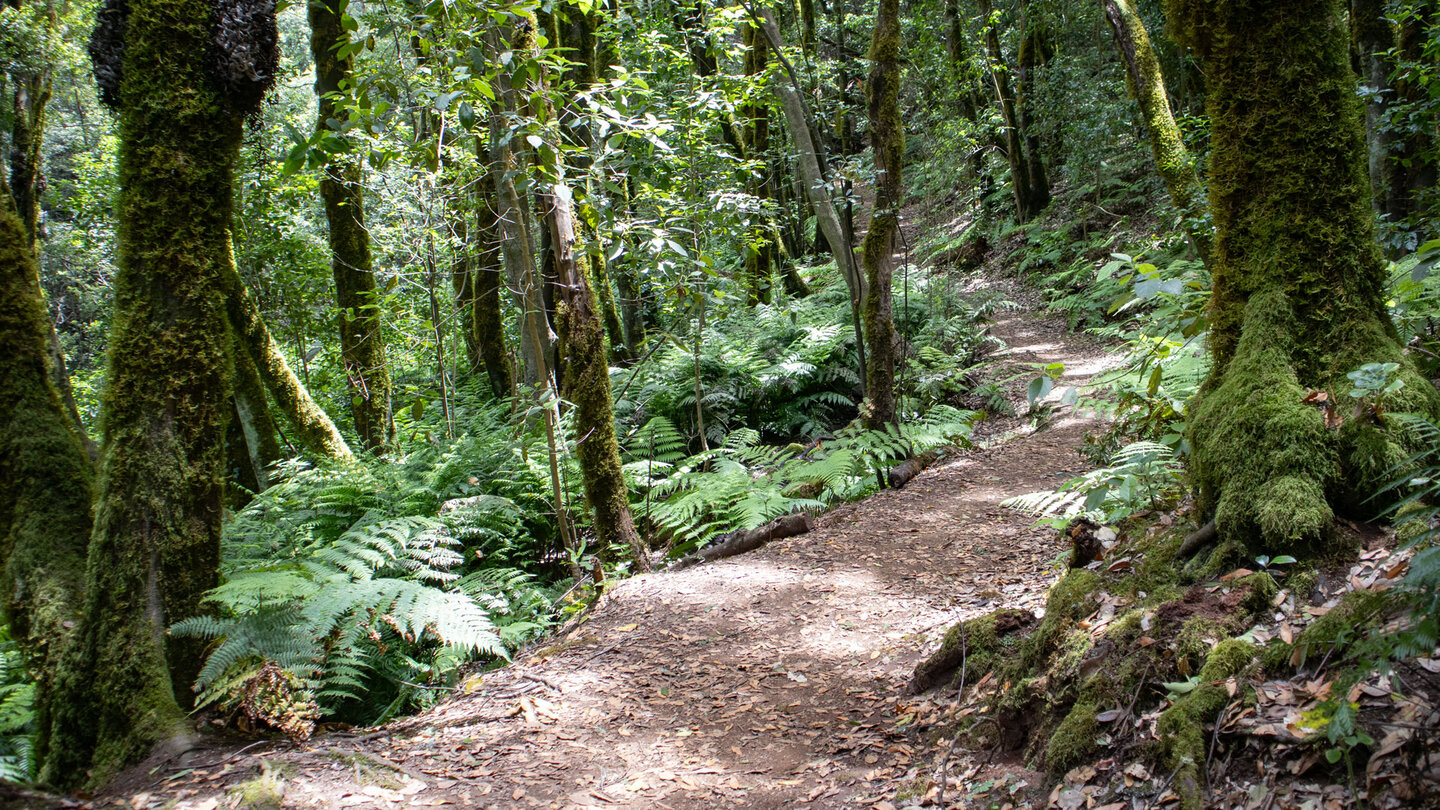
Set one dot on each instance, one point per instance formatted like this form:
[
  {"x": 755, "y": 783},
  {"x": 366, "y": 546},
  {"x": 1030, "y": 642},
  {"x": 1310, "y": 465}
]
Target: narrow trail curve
[{"x": 774, "y": 679}]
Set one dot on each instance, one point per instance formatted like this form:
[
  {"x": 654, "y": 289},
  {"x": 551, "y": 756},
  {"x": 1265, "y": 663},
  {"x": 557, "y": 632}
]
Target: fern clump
[
  {"x": 364, "y": 606},
  {"x": 743, "y": 484}
]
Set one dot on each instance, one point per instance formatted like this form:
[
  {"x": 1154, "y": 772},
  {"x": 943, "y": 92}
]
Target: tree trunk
[
  {"x": 27, "y": 130},
  {"x": 760, "y": 247},
  {"x": 252, "y": 419},
  {"x": 586, "y": 380},
  {"x": 1298, "y": 281},
  {"x": 1005, "y": 98},
  {"x": 689, "y": 19},
  {"x": 462, "y": 281},
  {"x": 887, "y": 137},
  {"x": 312, "y": 425},
  {"x": 1147, "y": 84},
  {"x": 45, "y": 474},
  {"x": 155, "y": 550},
  {"x": 489, "y": 327},
  {"x": 1414, "y": 184},
  {"x": 362, "y": 347},
  {"x": 1373, "y": 36},
  {"x": 811, "y": 165},
  {"x": 1032, "y": 46}
]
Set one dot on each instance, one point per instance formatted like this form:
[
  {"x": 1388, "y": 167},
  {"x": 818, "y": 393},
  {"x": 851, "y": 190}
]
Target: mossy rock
[
  {"x": 260, "y": 793},
  {"x": 978, "y": 644}
]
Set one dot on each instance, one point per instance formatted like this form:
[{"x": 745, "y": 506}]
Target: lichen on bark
[{"x": 1297, "y": 299}]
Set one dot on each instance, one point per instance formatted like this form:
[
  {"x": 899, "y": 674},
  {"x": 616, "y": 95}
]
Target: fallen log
[
  {"x": 901, "y": 473},
  {"x": 748, "y": 540}
]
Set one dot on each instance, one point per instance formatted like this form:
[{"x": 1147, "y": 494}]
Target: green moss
[
  {"x": 312, "y": 425},
  {"x": 1073, "y": 740},
  {"x": 1297, "y": 277},
  {"x": 261, "y": 793},
  {"x": 1355, "y": 614},
  {"x": 155, "y": 549},
  {"x": 887, "y": 136},
  {"x": 45, "y": 475},
  {"x": 981, "y": 645},
  {"x": 1182, "y": 726},
  {"x": 362, "y": 347},
  {"x": 1071, "y": 599}
]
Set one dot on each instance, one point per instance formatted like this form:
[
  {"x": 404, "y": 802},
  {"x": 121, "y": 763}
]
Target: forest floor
[{"x": 773, "y": 679}]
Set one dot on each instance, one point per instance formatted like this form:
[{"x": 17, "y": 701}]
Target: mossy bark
[
  {"x": 487, "y": 324},
  {"x": 1147, "y": 84},
  {"x": 887, "y": 137},
  {"x": 312, "y": 425},
  {"x": 999, "y": 74},
  {"x": 155, "y": 550},
  {"x": 1298, "y": 279},
  {"x": 760, "y": 244},
  {"x": 252, "y": 419},
  {"x": 45, "y": 473},
  {"x": 362, "y": 346},
  {"x": 586, "y": 378}
]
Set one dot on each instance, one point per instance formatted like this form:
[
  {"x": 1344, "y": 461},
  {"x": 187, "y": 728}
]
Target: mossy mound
[
  {"x": 1105, "y": 644},
  {"x": 977, "y": 646}
]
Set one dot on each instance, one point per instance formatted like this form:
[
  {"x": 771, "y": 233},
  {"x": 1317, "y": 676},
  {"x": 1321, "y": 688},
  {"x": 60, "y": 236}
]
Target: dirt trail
[{"x": 769, "y": 680}]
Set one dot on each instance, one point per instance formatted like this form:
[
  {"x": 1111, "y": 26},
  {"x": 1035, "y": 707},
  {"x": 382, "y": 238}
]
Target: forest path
[{"x": 773, "y": 679}]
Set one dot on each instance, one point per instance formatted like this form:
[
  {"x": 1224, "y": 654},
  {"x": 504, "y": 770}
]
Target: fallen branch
[
  {"x": 901, "y": 473},
  {"x": 743, "y": 541}
]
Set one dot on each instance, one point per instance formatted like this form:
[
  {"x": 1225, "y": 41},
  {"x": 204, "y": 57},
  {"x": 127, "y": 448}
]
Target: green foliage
[
  {"x": 742, "y": 484},
  {"x": 1140, "y": 476},
  {"x": 17, "y": 712}
]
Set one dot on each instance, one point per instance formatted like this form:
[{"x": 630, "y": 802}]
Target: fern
[{"x": 1140, "y": 475}]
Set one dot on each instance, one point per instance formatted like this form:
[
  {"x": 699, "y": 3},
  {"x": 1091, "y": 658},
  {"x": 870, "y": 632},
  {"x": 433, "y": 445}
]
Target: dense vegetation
[{"x": 349, "y": 345}]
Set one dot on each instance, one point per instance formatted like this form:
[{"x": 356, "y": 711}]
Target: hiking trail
[{"x": 772, "y": 679}]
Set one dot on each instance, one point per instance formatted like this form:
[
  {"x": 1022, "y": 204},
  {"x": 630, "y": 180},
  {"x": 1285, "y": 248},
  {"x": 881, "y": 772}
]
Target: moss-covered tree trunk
[
  {"x": 1298, "y": 279},
  {"x": 585, "y": 381},
  {"x": 1372, "y": 36},
  {"x": 1005, "y": 99},
  {"x": 1414, "y": 179},
  {"x": 182, "y": 75},
  {"x": 362, "y": 346},
  {"x": 256, "y": 431},
  {"x": 1033, "y": 48},
  {"x": 314, "y": 428},
  {"x": 887, "y": 137},
  {"x": 760, "y": 243},
  {"x": 32, "y": 89},
  {"x": 487, "y": 324},
  {"x": 1147, "y": 84},
  {"x": 45, "y": 473}
]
